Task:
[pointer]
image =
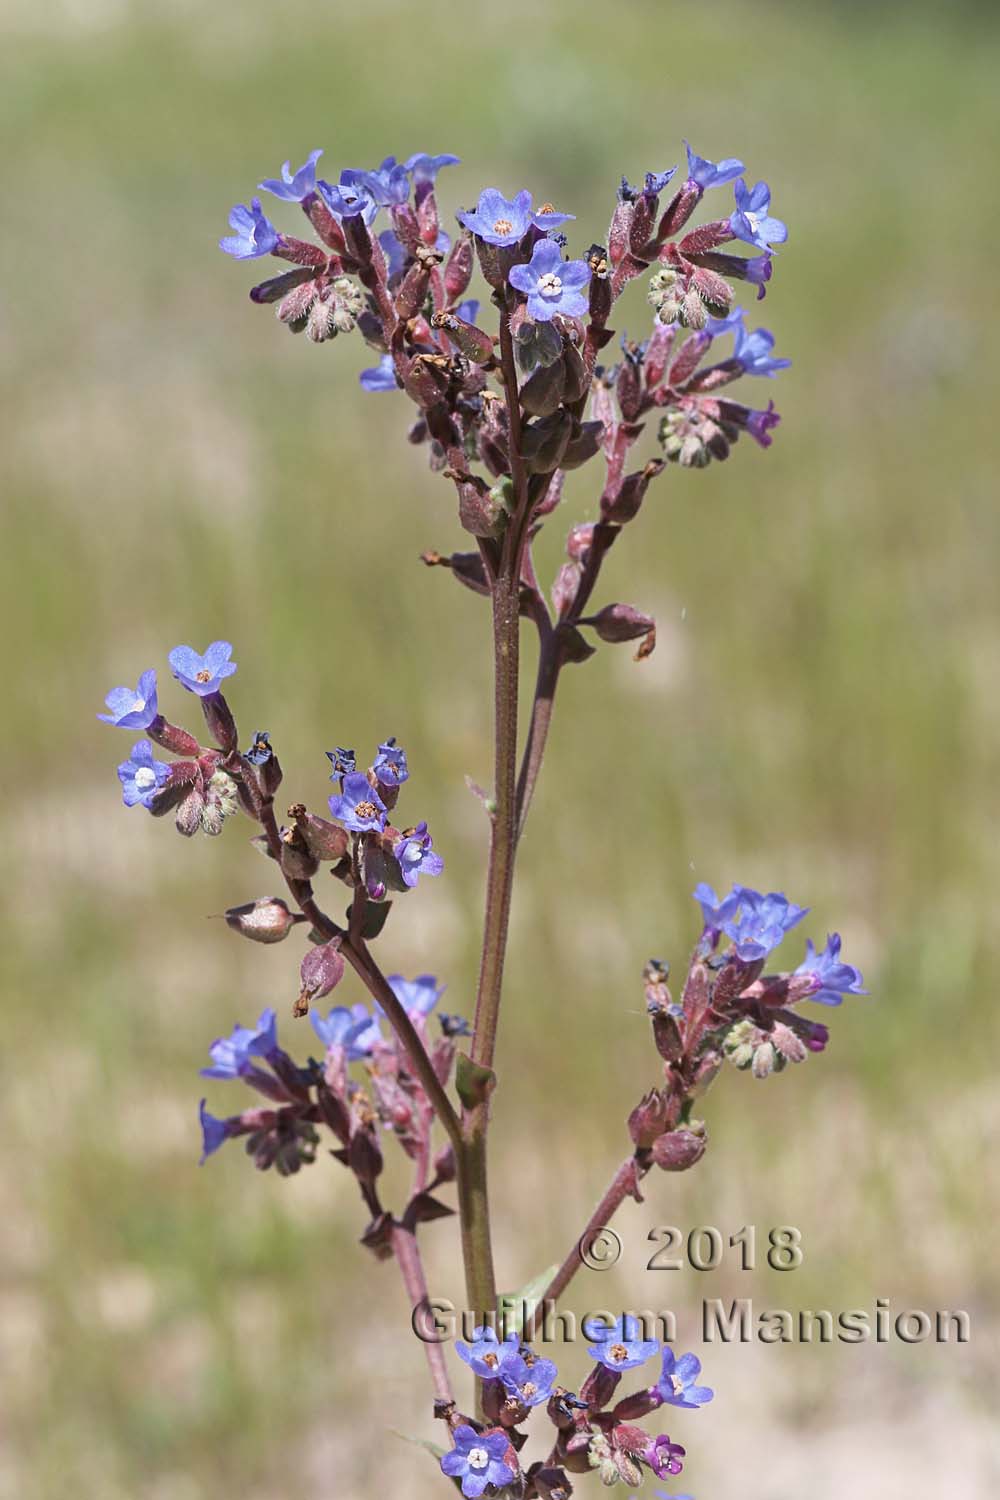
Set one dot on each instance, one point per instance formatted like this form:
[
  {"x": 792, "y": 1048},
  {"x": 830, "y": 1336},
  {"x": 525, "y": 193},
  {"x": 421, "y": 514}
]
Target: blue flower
[
  {"x": 231, "y": 1056},
  {"x": 343, "y": 761},
  {"x": 478, "y": 1460},
  {"x": 387, "y": 184},
  {"x": 293, "y": 187},
  {"x": 709, "y": 174},
  {"x": 529, "y": 1381},
  {"x": 416, "y": 856},
  {"x": 759, "y": 424},
  {"x": 213, "y": 1133},
  {"x": 203, "y": 675},
  {"x": 503, "y": 221},
  {"x": 753, "y": 350},
  {"x": 757, "y": 270},
  {"x": 141, "y": 776},
  {"x": 716, "y": 910},
  {"x": 717, "y": 328},
  {"x": 419, "y": 996},
  {"x": 133, "y": 708},
  {"x": 394, "y": 252},
  {"x": 359, "y": 806},
  {"x": 833, "y": 979},
  {"x": 677, "y": 1382},
  {"x": 350, "y": 198},
  {"x": 356, "y": 1029},
  {"x": 390, "y": 765},
  {"x": 620, "y": 1347},
  {"x": 657, "y": 181},
  {"x": 486, "y": 1355},
  {"x": 761, "y": 922},
  {"x": 260, "y": 752},
  {"x": 552, "y": 285},
  {"x": 425, "y": 168},
  {"x": 750, "y": 220},
  {"x": 255, "y": 234},
  {"x": 468, "y": 310},
  {"x": 381, "y": 377}
]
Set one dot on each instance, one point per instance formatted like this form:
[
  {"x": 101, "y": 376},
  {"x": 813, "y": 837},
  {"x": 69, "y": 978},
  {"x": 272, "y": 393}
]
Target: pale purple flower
[
  {"x": 504, "y": 221},
  {"x": 478, "y": 1460},
  {"x": 715, "y": 909},
  {"x": 753, "y": 350},
  {"x": 292, "y": 187},
  {"x": 619, "y": 1347},
  {"x": 381, "y": 377},
  {"x": 709, "y": 174},
  {"x": 359, "y": 806},
  {"x": 354, "y": 1029},
  {"x": 390, "y": 765},
  {"x": 664, "y": 1457},
  {"x": 387, "y": 184},
  {"x": 486, "y": 1355},
  {"x": 676, "y": 1384},
  {"x": 231, "y": 1055},
  {"x": 425, "y": 168},
  {"x": 551, "y": 284},
  {"x": 133, "y": 708},
  {"x": 141, "y": 776},
  {"x": 832, "y": 978},
  {"x": 751, "y": 220},
  {"x": 760, "y": 922},
  {"x": 214, "y": 1132},
  {"x": 255, "y": 234},
  {"x": 350, "y": 198},
  {"x": 202, "y": 674},
  {"x": 416, "y": 856},
  {"x": 419, "y": 996},
  {"x": 529, "y": 1381}
]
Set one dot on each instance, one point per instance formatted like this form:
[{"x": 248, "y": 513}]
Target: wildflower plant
[{"x": 512, "y": 390}]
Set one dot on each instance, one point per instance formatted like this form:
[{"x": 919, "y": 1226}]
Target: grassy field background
[{"x": 820, "y": 717}]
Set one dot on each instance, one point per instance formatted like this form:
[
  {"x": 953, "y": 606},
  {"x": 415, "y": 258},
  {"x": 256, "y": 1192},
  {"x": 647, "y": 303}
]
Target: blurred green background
[{"x": 820, "y": 717}]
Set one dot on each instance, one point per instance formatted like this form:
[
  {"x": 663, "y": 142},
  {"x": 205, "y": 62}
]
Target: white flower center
[
  {"x": 413, "y": 853},
  {"x": 550, "y": 285},
  {"x": 753, "y": 220},
  {"x": 145, "y": 778},
  {"x": 138, "y": 706},
  {"x": 478, "y": 1458},
  {"x": 677, "y": 1384}
]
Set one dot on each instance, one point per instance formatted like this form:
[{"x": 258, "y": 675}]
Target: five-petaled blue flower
[
  {"x": 380, "y": 377},
  {"x": 709, "y": 174},
  {"x": 715, "y": 909},
  {"x": 416, "y": 856},
  {"x": 387, "y": 184},
  {"x": 551, "y": 284},
  {"x": 213, "y": 1133},
  {"x": 419, "y": 996},
  {"x": 529, "y": 1381},
  {"x": 677, "y": 1382},
  {"x": 350, "y": 197},
  {"x": 141, "y": 776},
  {"x": 425, "y": 168},
  {"x": 750, "y": 219},
  {"x": 202, "y": 674},
  {"x": 354, "y": 1029},
  {"x": 359, "y": 806},
  {"x": 478, "y": 1460},
  {"x": 620, "y": 1347},
  {"x": 133, "y": 708},
  {"x": 294, "y": 186},
  {"x": 255, "y": 234},
  {"x": 390, "y": 765},
  {"x": 231, "y": 1056},
  {"x": 833, "y": 979},
  {"x": 503, "y": 221},
  {"x": 753, "y": 350},
  {"x": 485, "y": 1355},
  {"x": 760, "y": 922}
]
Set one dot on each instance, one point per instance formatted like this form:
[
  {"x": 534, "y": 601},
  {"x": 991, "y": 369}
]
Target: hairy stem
[
  {"x": 623, "y": 1185},
  {"x": 407, "y": 1253}
]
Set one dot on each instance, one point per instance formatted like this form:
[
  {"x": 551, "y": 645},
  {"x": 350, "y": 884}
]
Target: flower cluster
[{"x": 594, "y": 1431}]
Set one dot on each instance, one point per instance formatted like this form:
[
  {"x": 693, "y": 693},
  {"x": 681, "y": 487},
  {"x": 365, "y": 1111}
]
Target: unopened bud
[
  {"x": 621, "y": 622},
  {"x": 650, "y": 1119},
  {"x": 680, "y": 1149},
  {"x": 458, "y": 268},
  {"x": 265, "y": 921}
]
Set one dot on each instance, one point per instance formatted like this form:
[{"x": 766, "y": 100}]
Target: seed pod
[{"x": 267, "y": 920}]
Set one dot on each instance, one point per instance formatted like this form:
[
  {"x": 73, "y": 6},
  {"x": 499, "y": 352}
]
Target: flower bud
[
  {"x": 680, "y": 1149},
  {"x": 171, "y": 737},
  {"x": 544, "y": 442},
  {"x": 621, "y": 622},
  {"x": 650, "y": 1119},
  {"x": 458, "y": 268},
  {"x": 293, "y": 309},
  {"x": 220, "y": 802},
  {"x": 625, "y": 505},
  {"x": 583, "y": 445},
  {"x": 475, "y": 343},
  {"x": 688, "y": 357},
  {"x": 325, "y": 841},
  {"x": 265, "y": 921},
  {"x": 619, "y": 230},
  {"x": 412, "y": 292},
  {"x": 220, "y": 722}
]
